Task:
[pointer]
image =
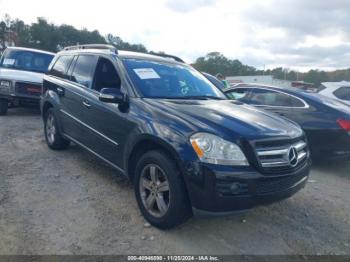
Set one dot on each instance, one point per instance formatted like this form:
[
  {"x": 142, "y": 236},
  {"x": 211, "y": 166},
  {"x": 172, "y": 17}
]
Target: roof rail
[
  {"x": 92, "y": 46},
  {"x": 178, "y": 59}
]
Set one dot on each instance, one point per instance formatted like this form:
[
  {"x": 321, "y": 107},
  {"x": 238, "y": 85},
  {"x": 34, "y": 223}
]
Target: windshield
[
  {"x": 26, "y": 60},
  {"x": 166, "y": 80}
]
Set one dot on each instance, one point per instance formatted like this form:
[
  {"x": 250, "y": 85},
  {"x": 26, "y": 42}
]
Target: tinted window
[
  {"x": 84, "y": 69},
  {"x": 26, "y": 60},
  {"x": 343, "y": 93},
  {"x": 240, "y": 94},
  {"x": 167, "y": 80},
  {"x": 320, "y": 88},
  {"x": 271, "y": 98},
  {"x": 215, "y": 81},
  {"x": 106, "y": 75},
  {"x": 61, "y": 66}
]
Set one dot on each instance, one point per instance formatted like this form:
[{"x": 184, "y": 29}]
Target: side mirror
[{"x": 112, "y": 95}]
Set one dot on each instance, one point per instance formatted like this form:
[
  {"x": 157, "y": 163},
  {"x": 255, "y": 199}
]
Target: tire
[
  {"x": 177, "y": 207},
  {"x": 3, "y": 107},
  {"x": 53, "y": 137}
]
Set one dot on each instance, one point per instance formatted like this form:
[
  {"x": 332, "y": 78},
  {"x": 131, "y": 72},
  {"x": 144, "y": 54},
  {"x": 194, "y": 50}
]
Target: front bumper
[
  {"x": 21, "y": 100},
  {"x": 223, "y": 190},
  {"x": 26, "y": 91}
]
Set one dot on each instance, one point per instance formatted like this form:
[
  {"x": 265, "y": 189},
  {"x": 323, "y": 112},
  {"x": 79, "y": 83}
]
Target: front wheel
[
  {"x": 3, "y": 107},
  {"x": 54, "y": 138},
  {"x": 160, "y": 191}
]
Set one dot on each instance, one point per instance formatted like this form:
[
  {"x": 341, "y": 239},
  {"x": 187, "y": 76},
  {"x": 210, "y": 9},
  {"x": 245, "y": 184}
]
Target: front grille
[
  {"x": 281, "y": 155},
  {"x": 28, "y": 89},
  {"x": 271, "y": 185}
]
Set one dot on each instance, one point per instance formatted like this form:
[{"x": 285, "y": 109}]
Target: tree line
[{"x": 50, "y": 37}]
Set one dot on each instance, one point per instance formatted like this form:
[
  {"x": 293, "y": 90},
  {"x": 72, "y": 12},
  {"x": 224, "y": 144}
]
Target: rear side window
[
  {"x": 61, "y": 66},
  {"x": 271, "y": 98},
  {"x": 84, "y": 69},
  {"x": 240, "y": 94},
  {"x": 343, "y": 93}
]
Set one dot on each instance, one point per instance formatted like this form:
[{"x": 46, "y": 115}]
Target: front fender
[
  {"x": 50, "y": 97},
  {"x": 173, "y": 141}
]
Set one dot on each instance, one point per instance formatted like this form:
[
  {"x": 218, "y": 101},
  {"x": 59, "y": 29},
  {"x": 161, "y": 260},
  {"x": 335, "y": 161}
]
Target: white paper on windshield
[
  {"x": 146, "y": 73},
  {"x": 8, "y": 61}
]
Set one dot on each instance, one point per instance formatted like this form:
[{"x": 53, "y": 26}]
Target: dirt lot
[{"x": 71, "y": 203}]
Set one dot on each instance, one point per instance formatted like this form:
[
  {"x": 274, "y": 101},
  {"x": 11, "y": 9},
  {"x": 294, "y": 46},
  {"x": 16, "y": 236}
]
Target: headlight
[
  {"x": 5, "y": 84},
  {"x": 215, "y": 150}
]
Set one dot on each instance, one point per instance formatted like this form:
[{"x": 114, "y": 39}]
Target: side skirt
[{"x": 96, "y": 154}]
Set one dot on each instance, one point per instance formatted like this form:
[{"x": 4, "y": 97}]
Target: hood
[
  {"x": 232, "y": 117},
  {"x": 20, "y": 75}
]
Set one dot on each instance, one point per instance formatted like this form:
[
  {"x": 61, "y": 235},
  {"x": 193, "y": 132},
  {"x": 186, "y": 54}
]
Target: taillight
[{"x": 345, "y": 124}]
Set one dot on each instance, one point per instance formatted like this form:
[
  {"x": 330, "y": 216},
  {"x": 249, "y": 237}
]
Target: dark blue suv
[{"x": 186, "y": 147}]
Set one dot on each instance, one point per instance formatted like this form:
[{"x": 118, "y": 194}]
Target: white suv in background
[
  {"x": 336, "y": 90},
  {"x": 21, "y": 76}
]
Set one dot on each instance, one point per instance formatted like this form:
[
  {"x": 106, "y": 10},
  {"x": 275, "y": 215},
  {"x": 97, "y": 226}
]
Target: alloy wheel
[
  {"x": 154, "y": 190},
  {"x": 50, "y": 128}
]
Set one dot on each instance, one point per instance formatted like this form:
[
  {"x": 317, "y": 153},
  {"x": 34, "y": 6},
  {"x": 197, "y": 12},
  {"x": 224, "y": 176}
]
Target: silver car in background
[
  {"x": 336, "y": 90},
  {"x": 21, "y": 76}
]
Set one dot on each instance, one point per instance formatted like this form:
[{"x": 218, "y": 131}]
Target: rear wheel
[
  {"x": 3, "y": 107},
  {"x": 54, "y": 138},
  {"x": 160, "y": 191}
]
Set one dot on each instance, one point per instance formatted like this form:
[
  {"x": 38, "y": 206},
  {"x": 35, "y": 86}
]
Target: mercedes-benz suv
[{"x": 184, "y": 145}]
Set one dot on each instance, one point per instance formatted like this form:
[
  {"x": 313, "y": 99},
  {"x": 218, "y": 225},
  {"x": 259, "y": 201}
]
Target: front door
[{"x": 109, "y": 124}]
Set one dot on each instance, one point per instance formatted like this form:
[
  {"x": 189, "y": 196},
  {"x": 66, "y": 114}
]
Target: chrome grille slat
[
  {"x": 301, "y": 156},
  {"x": 275, "y": 164},
  {"x": 299, "y": 146},
  {"x": 272, "y": 152},
  {"x": 277, "y": 155}
]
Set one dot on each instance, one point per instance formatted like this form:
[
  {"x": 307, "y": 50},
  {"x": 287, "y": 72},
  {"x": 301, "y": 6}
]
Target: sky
[{"x": 295, "y": 34}]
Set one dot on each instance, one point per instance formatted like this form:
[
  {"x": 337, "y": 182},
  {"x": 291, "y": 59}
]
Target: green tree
[{"x": 120, "y": 44}]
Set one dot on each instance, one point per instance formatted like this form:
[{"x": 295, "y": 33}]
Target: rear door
[
  {"x": 80, "y": 78},
  {"x": 59, "y": 83}
]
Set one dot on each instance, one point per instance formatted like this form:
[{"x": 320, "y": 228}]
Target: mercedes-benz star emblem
[{"x": 293, "y": 156}]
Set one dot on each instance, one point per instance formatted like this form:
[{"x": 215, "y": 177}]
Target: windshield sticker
[
  {"x": 146, "y": 73},
  {"x": 8, "y": 61}
]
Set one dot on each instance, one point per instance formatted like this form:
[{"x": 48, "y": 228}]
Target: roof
[
  {"x": 290, "y": 90},
  {"x": 335, "y": 84},
  {"x": 30, "y": 49},
  {"x": 130, "y": 54},
  {"x": 122, "y": 54}
]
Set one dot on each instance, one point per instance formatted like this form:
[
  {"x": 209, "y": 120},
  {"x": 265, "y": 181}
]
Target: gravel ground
[{"x": 68, "y": 202}]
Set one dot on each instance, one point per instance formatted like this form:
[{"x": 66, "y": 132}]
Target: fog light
[{"x": 235, "y": 188}]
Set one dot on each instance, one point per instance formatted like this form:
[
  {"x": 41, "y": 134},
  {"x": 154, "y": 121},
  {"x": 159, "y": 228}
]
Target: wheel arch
[
  {"x": 146, "y": 144},
  {"x": 46, "y": 106}
]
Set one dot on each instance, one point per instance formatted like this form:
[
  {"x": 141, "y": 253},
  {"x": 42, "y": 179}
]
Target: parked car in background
[
  {"x": 157, "y": 120},
  {"x": 336, "y": 90},
  {"x": 21, "y": 76},
  {"x": 325, "y": 121}
]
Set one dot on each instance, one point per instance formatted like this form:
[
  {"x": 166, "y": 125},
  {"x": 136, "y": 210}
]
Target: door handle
[
  {"x": 60, "y": 91},
  {"x": 86, "y": 104}
]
